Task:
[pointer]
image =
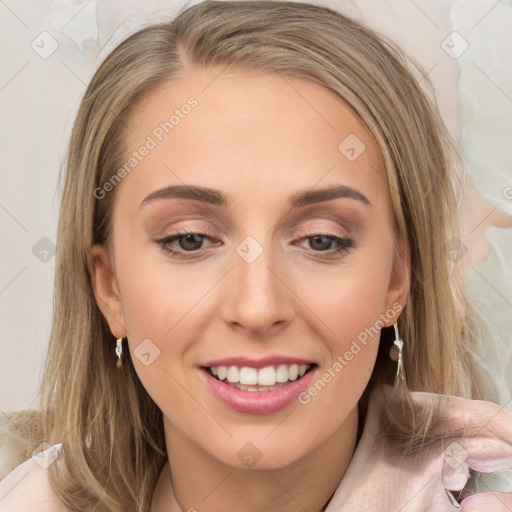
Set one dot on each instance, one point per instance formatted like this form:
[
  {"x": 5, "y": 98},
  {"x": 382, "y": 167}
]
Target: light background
[{"x": 39, "y": 96}]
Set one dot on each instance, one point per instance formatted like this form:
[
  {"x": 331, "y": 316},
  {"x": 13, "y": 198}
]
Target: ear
[
  {"x": 400, "y": 280},
  {"x": 106, "y": 291}
]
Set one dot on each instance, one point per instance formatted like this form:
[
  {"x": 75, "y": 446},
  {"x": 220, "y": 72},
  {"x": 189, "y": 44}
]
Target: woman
[{"x": 254, "y": 306}]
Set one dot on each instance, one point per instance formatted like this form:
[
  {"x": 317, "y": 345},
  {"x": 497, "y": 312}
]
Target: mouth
[
  {"x": 263, "y": 390},
  {"x": 251, "y": 379}
]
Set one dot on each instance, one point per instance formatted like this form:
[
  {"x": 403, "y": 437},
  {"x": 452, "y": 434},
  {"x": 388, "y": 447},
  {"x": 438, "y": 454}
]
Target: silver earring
[
  {"x": 395, "y": 353},
  {"x": 119, "y": 352}
]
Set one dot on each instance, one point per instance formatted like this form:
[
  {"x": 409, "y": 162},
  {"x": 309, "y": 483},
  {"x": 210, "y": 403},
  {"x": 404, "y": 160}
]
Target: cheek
[
  {"x": 154, "y": 292},
  {"x": 350, "y": 316},
  {"x": 348, "y": 307},
  {"x": 349, "y": 297}
]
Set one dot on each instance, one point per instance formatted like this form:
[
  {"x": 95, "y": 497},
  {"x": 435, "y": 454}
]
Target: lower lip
[{"x": 258, "y": 402}]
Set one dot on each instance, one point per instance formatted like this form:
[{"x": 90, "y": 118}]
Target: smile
[
  {"x": 264, "y": 379},
  {"x": 261, "y": 390}
]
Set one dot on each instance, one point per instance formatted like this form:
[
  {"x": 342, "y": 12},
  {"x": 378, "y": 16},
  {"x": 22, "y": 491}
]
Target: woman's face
[{"x": 274, "y": 276}]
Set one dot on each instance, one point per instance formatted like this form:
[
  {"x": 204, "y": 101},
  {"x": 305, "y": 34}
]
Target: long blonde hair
[{"x": 111, "y": 429}]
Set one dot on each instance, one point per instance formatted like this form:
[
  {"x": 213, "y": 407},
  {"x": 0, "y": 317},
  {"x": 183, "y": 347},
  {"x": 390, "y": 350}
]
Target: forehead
[{"x": 259, "y": 132}]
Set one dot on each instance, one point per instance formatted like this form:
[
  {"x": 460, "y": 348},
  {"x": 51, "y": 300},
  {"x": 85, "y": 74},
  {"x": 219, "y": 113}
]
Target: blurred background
[{"x": 50, "y": 50}]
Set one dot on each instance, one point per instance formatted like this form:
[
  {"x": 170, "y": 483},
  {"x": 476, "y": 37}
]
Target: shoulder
[{"x": 28, "y": 487}]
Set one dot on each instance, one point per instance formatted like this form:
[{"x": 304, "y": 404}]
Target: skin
[{"x": 258, "y": 139}]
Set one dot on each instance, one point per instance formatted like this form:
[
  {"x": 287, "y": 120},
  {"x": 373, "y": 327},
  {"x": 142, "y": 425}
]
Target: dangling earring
[
  {"x": 395, "y": 353},
  {"x": 119, "y": 352}
]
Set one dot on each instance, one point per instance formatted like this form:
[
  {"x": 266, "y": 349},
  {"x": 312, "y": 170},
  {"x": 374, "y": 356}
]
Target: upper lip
[{"x": 241, "y": 361}]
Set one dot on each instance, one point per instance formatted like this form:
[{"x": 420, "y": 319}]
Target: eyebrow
[{"x": 218, "y": 198}]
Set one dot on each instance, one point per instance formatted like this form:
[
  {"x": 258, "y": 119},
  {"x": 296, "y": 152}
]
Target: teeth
[
  {"x": 253, "y": 378},
  {"x": 282, "y": 373},
  {"x": 266, "y": 376},
  {"x": 293, "y": 372},
  {"x": 233, "y": 374},
  {"x": 243, "y": 387},
  {"x": 222, "y": 371},
  {"x": 248, "y": 376}
]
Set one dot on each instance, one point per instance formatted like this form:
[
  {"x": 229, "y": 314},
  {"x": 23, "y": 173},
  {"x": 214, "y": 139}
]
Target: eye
[
  {"x": 324, "y": 243},
  {"x": 188, "y": 242}
]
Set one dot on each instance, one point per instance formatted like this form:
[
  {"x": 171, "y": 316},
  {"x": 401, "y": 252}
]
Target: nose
[{"x": 257, "y": 297}]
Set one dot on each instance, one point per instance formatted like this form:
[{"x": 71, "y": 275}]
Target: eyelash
[{"x": 345, "y": 244}]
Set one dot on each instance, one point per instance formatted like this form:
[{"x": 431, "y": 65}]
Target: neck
[{"x": 193, "y": 480}]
